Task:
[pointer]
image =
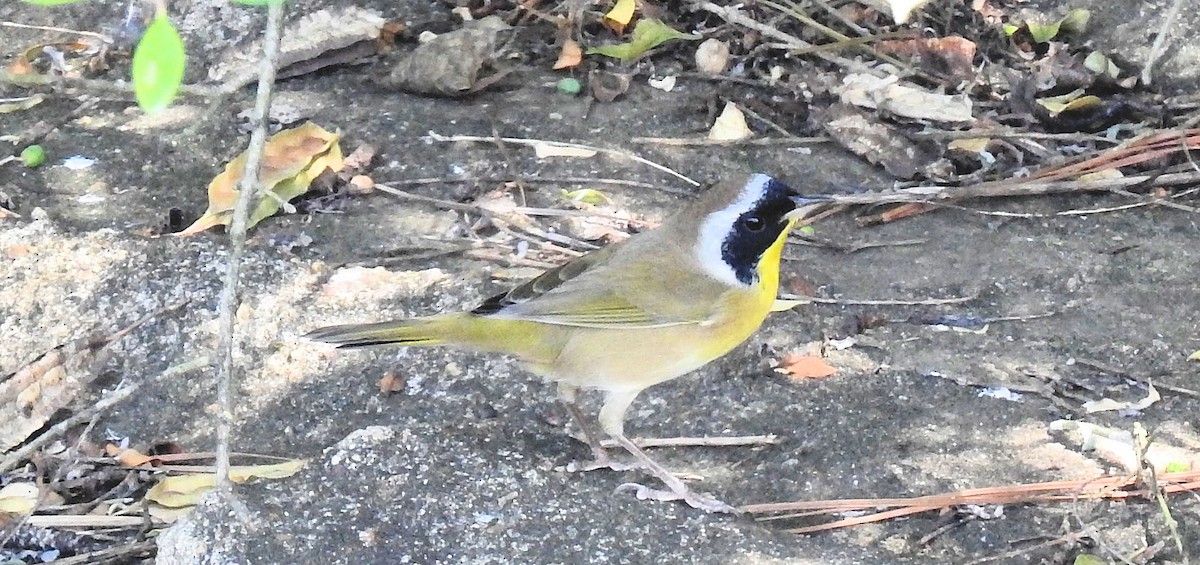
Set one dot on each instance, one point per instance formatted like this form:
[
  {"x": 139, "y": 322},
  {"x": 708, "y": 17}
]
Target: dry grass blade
[{"x": 1110, "y": 487}]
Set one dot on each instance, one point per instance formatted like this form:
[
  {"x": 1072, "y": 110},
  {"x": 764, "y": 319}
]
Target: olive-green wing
[{"x": 579, "y": 293}]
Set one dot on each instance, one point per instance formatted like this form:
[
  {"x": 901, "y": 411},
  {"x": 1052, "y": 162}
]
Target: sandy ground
[{"x": 461, "y": 467}]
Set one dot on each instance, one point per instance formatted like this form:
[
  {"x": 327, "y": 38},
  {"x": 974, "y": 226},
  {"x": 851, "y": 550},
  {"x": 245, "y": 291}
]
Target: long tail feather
[{"x": 416, "y": 331}]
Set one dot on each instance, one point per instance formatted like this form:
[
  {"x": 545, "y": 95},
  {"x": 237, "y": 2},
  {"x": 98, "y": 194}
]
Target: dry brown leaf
[
  {"x": 128, "y": 457},
  {"x": 620, "y": 15},
  {"x": 954, "y": 54},
  {"x": 570, "y": 56},
  {"x": 390, "y": 383},
  {"x": 802, "y": 367},
  {"x": 291, "y": 160}
]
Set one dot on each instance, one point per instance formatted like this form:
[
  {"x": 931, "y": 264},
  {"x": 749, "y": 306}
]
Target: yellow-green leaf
[
  {"x": 621, "y": 13},
  {"x": 158, "y": 63},
  {"x": 1195, "y": 356},
  {"x": 1069, "y": 102},
  {"x": 1043, "y": 32},
  {"x": 1076, "y": 21},
  {"x": 586, "y": 195},
  {"x": 1177, "y": 467},
  {"x": 1089, "y": 559},
  {"x": 647, "y": 34},
  {"x": 292, "y": 159}
]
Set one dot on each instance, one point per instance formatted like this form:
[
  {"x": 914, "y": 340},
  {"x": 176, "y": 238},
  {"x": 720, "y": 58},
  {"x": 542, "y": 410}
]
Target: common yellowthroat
[{"x": 633, "y": 314}]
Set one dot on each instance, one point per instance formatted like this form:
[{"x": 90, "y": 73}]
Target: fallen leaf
[
  {"x": 712, "y": 56},
  {"x": 390, "y": 383},
  {"x": 291, "y": 160},
  {"x": 1069, "y": 102},
  {"x": 647, "y": 34},
  {"x": 128, "y": 457},
  {"x": 18, "y": 498},
  {"x": 802, "y": 367},
  {"x": 570, "y": 56},
  {"x": 1118, "y": 447},
  {"x": 730, "y": 125},
  {"x": 954, "y": 55},
  {"x": 868, "y": 91},
  {"x": 586, "y": 196},
  {"x": 620, "y": 15},
  {"x": 1108, "y": 404},
  {"x": 606, "y": 86},
  {"x": 176, "y": 491}
]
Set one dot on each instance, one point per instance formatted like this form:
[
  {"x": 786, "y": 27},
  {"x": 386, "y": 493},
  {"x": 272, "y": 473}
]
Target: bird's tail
[{"x": 434, "y": 330}]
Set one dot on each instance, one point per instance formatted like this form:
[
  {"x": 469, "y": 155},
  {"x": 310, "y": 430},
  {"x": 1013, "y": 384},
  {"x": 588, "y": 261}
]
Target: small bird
[{"x": 628, "y": 316}]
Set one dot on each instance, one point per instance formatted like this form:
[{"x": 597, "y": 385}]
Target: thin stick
[
  {"x": 1160, "y": 42},
  {"x": 108, "y": 554},
  {"x": 705, "y": 142},
  {"x": 736, "y": 17},
  {"x": 932, "y": 194},
  {"x": 730, "y": 441},
  {"x": 1008, "y": 134},
  {"x": 858, "y": 302},
  {"x": 540, "y": 180},
  {"x": 13, "y": 459},
  {"x": 567, "y": 145},
  {"x": 237, "y": 237},
  {"x": 99, "y": 36}
]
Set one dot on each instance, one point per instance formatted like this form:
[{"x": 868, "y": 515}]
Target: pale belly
[{"x": 621, "y": 360}]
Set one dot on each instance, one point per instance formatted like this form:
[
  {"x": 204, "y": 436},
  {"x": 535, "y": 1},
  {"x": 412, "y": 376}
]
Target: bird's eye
[{"x": 753, "y": 223}]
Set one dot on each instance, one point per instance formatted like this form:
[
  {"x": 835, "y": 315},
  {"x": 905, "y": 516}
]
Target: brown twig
[
  {"x": 567, "y": 145},
  {"x": 705, "y": 142}
]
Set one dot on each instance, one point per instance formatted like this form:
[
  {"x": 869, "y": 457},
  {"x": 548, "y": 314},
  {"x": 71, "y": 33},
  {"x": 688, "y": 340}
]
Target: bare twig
[
  {"x": 13, "y": 459},
  {"x": 249, "y": 188},
  {"x": 731, "y": 441},
  {"x": 99, "y": 36},
  {"x": 541, "y": 180},
  {"x": 858, "y": 302},
  {"x": 563, "y": 144},
  {"x": 1012, "y": 134},
  {"x": 705, "y": 142},
  {"x": 96, "y": 86},
  {"x": 934, "y": 194},
  {"x": 1160, "y": 42},
  {"x": 120, "y": 552}
]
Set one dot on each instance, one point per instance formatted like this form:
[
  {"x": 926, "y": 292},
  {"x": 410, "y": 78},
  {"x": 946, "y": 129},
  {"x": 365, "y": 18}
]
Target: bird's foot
[
  {"x": 598, "y": 463},
  {"x": 694, "y": 499}
]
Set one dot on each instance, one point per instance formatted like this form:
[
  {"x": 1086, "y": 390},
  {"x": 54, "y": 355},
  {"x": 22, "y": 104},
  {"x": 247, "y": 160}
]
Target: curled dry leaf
[
  {"x": 712, "y": 56},
  {"x": 802, "y": 367},
  {"x": 177, "y": 491},
  {"x": 730, "y": 125},
  {"x": 18, "y": 498},
  {"x": 291, "y": 160},
  {"x": 390, "y": 383},
  {"x": 607, "y": 86},
  {"x": 570, "y": 56},
  {"x": 620, "y": 15},
  {"x": 886, "y": 94},
  {"x": 953, "y": 55}
]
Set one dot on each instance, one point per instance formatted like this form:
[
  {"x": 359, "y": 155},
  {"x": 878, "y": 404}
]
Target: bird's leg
[
  {"x": 612, "y": 421},
  {"x": 569, "y": 395}
]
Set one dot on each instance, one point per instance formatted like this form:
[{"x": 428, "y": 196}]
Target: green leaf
[
  {"x": 158, "y": 62},
  {"x": 1089, "y": 559},
  {"x": 1010, "y": 29},
  {"x": 586, "y": 195},
  {"x": 50, "y": 2},
  {"x": 648, "y": 34},
  {"x": 258, "y": 2},
  {"x": 33, "y": 156},
  {"x": 1177, "y": 467},
  {"x": 1075, "y": 21},
  {"x": 1043, "y": 32},
  {"x": 807, "y": 230}
]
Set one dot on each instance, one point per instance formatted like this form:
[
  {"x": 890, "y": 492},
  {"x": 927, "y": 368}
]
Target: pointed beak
[{"x": 807, "y": 206}]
